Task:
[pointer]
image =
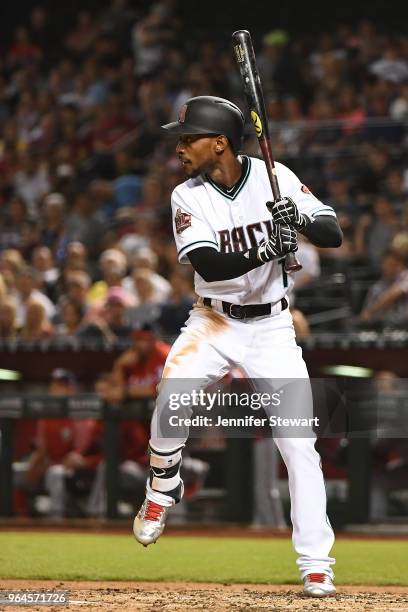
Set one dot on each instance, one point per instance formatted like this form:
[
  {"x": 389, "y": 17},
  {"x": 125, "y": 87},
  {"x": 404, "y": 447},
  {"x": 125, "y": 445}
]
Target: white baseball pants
[{"x": 209, "y": 346}]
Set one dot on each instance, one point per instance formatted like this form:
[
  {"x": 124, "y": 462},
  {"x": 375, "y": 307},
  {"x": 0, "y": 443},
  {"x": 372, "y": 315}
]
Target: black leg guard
[{"x": 165, "y": 473}]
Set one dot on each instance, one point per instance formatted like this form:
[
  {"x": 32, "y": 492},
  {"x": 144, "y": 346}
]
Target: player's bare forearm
[{"x": 324, "y": 232}]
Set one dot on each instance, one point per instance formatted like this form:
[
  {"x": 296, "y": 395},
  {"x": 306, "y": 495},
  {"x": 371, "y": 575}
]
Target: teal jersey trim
[
  {"x": 322, "y": 211},
  {"x": 197, "y": 242},
  {"x": 232, "y": 193}
]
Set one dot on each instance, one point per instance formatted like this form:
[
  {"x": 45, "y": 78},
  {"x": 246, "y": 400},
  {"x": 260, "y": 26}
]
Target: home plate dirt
[{"x": 182, "y": 597}]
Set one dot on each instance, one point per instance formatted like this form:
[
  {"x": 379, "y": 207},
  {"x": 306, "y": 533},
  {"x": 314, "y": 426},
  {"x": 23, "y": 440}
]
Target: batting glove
[
  {"x": 285, "y": 212},
  {"x": 282, "y": 242}
]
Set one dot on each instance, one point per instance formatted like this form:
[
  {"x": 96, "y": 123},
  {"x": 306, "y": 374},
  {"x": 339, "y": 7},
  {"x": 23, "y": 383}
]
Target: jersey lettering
[
  {"x": 251, "y": 233},
  {"x": 238, "y": 239},
  {"x": 225, "y": 241}
]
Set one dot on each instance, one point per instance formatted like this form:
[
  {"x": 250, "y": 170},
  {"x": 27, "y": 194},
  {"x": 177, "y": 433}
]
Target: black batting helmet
[{"x": 210, "y": 115}]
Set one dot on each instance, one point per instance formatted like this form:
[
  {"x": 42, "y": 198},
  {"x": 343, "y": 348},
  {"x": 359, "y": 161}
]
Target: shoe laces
[
  {"x": 153, "y": 511},
  {"x": 317, "y": 577}
]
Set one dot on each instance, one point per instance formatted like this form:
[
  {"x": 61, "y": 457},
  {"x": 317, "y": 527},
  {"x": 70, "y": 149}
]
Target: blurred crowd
[{"x": 86, "y": 174}]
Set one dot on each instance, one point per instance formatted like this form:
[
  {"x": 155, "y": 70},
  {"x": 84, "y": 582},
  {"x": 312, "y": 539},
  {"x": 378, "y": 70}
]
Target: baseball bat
[{"x": 245, "y": 56}]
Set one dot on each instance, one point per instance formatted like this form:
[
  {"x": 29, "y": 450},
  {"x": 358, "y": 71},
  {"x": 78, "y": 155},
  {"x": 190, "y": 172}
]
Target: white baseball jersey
[{"x": 206, "y": 215}]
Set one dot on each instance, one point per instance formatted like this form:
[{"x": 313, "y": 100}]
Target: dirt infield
[{"x": 181, "y": 597}]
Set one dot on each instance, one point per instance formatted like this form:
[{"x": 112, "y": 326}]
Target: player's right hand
[{"x": 282, "y": 241}]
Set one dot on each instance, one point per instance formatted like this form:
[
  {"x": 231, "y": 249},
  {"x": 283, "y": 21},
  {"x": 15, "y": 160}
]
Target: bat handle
[{"x": 291, "y": 263}]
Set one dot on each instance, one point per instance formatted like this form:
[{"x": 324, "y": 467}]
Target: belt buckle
[{"x": 241, "y": 309}]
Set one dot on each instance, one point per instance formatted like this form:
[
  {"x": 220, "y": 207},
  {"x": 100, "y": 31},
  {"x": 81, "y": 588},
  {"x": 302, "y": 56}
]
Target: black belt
[{"x": 235, "y": 311}]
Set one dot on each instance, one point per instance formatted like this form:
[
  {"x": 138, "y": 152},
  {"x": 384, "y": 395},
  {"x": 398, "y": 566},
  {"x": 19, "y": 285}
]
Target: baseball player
[{"x": 226, "y": 228}]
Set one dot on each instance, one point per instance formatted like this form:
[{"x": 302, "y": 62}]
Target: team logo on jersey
[
  {"x": 305, "y": 189},
  {"x": 182, "y": 113},
  {"x": 182, "y": 221},
  {"x": 257, "y": 123}
]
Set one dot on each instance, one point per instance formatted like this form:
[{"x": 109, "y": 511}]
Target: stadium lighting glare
[
  {"x": 9, "y": 375},
  {"x": 348, "y": 370}
]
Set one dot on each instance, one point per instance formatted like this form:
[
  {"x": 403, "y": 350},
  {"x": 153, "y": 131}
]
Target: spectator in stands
[
  {"x": 31, "y": 181},
  {"x": 8, "y": 323},
  {"x": 374, "y": 233},
  {"x": 85, "y": 225},
  {"x": 53, "y": 229},
  {"x": 36, "y": 325},
  {"x": 146, "y": 259},
  {"x": 23, "y": 51},
  {"x": 147, "y": 309},
  {"x": 28, "y": 283},
  {"x": 3, "y": 288},
  {"x": 351, "y": 111},
  {"x": 123, "y": 192},
  {"x": 152, "y": 197},
  {"x": 395, "y": 192},
  {"x": 137, "y": 372},
  {"x": 308, "y": 255},
  {"x": 391, "y": 66},
  {"x": 11, "y": 263},
  {"x": 400, "y": 244},
  {"x": 113, "y": 122},
  {"x": 399, "y": 107},
  {"x": 147, "y": 43},
  {"x": 77, "y": 285},
  {"x": 174, "y": 311},
  {"x": 387, "y": 300},
  {"x": 112, "y": 323},
  {"x": 72, "y": 315},
  {"x": 81, "y": 38},
  {"x": 112, "y": 263},
  {"x": 67, "y": 450},
  {"x": 41, "y": 33},
  {"x": 369, "y": 175},
  {"x": 324, "y": 131},
  {"x": 278, "y": 64},
  {"x": 10, "y": 232},
  {"x": 340, "y": 199},
  {"x": 75, "y": 257},
  {"x": 30, "y": 237},
  {"x": 132, "y": 231},
  {"x": 43, "y": 262}
]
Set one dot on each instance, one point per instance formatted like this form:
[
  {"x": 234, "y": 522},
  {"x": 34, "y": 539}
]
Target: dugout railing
[
  {"x": 237, "y": 454},
  {"x": 324, "y": 353},
  {"x": 237, "y": 458}
]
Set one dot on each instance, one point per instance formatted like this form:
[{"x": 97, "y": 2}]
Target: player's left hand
[{"x": 285, "y": 212}]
